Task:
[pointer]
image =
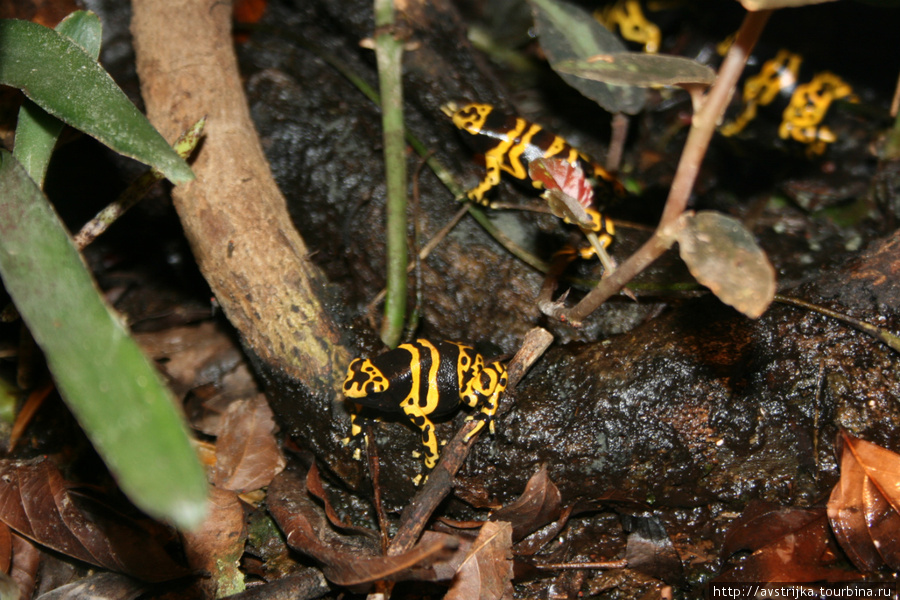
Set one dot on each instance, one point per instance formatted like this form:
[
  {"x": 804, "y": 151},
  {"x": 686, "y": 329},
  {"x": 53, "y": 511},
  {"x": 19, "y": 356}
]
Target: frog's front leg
[
  {"x": 358, "y": 425},
  {"x": 490, "y": 180},
  {"x": 429, "y": 439}
]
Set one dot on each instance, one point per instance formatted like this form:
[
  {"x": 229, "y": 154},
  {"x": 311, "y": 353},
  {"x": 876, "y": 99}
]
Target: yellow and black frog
[
  {"x": 510, "y": 143},
  {"x": 423, "y": 380}
]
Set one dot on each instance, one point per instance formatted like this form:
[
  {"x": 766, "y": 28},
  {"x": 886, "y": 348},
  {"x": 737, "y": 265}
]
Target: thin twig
[
  {"x": 423, "y": 253},
  {"x": 608, "y": 564},
  {"x": 375, "y": 472},
  {"x": 26, "y": 414},
  {"x": 184, "y": 146},
  {"x": 882, "y": 335},
  {"x": 617, "y": 142}
]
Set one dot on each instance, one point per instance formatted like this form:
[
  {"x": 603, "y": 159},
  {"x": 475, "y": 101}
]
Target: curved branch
[{"x": 233, "y": 214}]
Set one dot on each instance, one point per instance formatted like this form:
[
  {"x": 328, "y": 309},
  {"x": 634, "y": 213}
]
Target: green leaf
[
  {"x": 83, "y": 27},
  {"x": 722, "y": 255},
  {"x": 36, "y": 135},
  {"x": 642, "y": 70},
  {"x": 36, "y": 129},
  {"x": 112, "y": 389},
  {"x": 568, "y": 32},
  {"x": 60, "y": 77}
]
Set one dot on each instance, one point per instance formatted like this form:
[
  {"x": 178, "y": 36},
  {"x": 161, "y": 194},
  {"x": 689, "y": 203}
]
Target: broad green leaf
[
  {"x": 722, "y": 255},
  {"x": 568, "y": 32},
  {"x": 60, "y": 77},
  {"x": 36, "y": 129},
  {"x": 112, "y": 389},
  {"x": 642, "y": 70},
  {"x": 83, "y": 27}
]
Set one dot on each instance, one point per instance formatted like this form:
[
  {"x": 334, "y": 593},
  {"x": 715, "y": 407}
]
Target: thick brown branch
[{"x": 233, "y": 214}]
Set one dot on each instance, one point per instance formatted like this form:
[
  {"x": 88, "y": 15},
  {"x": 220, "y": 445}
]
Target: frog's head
[
  {"x": 470, "y": 117},
  {"x": 363, "y": 379}
]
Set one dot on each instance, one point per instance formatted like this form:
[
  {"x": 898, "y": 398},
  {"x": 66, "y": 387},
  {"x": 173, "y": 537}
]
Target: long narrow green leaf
[
  {"x": 36, "y": 129},
  {"x": 60, "y": 77},
  {"x": 83, "y": 27},
  {"x": 110, "y": 386}
]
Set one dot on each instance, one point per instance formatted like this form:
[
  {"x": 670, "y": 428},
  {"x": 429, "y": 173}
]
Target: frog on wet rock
[{"x": 423, "y": 380}]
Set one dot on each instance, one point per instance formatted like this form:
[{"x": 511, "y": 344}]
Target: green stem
[{"x": 389, "y": 53}]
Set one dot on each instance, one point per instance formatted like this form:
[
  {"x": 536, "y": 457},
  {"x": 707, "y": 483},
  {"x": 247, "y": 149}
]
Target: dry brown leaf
[
  {"x": 864, "y": 505},
  {"x": 193, "y": 355},
  {"x": 650, "y": 550},
  {"x": 36, "y": 502},
  {"x": 538, "y": 505},
  {"x": 315, "y": 487},
  {"x": 47, "y": 13},
  {"x": 99, "y": 586},
  {"x": 218, "y": 544},
  {"x": 761, "y": 522},
  {"x": 533, "y": 543},
  {"x": 486, "y": 573},
  {"x": 5, "y": 548},
  {"x": 639, "y": 69},
  {"x": 722, "y": 255},
  {"x": 247, "y": 454},
  {"x": 26, "y": 561},
  {"x": 788, "y": 544},
  {"x": 346, "y": 560}
]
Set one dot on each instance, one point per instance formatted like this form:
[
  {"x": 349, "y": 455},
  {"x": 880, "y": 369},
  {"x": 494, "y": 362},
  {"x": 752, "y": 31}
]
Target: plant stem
[
  {"x": 389, "y": 53},
  {"x": 702, "y": 129}
]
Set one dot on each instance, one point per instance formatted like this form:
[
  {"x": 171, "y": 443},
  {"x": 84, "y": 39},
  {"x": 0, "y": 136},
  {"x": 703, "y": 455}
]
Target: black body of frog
[{"x": 424, "y": 380}]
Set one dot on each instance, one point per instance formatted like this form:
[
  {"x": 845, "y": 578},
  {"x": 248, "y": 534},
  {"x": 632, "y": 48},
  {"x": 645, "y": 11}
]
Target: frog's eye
[{"x": 376, "y": 386}]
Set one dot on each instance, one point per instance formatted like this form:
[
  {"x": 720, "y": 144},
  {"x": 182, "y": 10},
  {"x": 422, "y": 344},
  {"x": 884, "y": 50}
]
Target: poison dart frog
[
  {"x": 509, "y": 144},
  {"x": 628, "y": 17},
  {"x": 424, "y": 379},
  {"x": 807, "y": 103},
  {"x": 776, "y": 88}
]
